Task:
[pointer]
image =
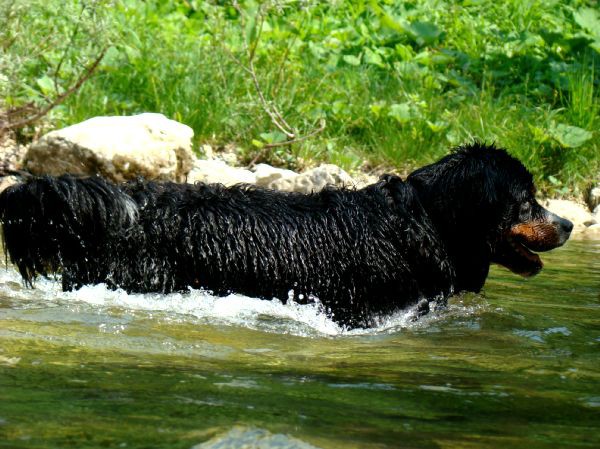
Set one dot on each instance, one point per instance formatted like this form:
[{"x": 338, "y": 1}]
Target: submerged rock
[
  {"x": 249, "y": 438},
  {"x": 119, "y": 148}
]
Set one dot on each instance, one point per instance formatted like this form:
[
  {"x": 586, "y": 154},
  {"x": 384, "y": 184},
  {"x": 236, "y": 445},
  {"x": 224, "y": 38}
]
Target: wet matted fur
[{"x": 363, "y": 253}]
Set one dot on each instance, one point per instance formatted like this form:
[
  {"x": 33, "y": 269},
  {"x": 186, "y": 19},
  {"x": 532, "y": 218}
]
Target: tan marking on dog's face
[{"x": 537, "y": 235}]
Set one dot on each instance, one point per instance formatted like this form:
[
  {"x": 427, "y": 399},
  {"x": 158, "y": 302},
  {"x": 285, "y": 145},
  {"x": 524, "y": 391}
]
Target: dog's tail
[{"x": 48, "y": 222}]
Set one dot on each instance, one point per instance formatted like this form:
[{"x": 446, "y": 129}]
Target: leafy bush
[{"x": 397, "y": 82}]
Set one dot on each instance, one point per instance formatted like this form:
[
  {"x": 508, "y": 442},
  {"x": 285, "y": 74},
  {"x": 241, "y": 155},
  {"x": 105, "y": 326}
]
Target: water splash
[{"x": 204, "y": 308}]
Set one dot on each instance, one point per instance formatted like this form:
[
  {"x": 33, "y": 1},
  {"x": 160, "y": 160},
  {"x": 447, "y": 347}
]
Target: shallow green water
[{"x": 516, "y": 367}]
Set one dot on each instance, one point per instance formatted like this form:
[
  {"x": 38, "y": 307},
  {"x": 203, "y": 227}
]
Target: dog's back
[{"x": 361, "y": 252}]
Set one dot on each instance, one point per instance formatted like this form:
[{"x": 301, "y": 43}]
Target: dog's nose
[{"x": 563, "y": 226}]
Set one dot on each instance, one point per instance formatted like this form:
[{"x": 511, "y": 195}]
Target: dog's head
[
  {"x": 482, "y": 201},
  {"x": 529, "y": 228}
]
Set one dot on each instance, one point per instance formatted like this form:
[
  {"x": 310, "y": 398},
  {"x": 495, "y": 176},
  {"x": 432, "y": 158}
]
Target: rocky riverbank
[{"x": 152, "y": 146}]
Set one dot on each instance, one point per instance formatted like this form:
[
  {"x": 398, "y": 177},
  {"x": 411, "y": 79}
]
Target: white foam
[{"x": 202, "y": 306}]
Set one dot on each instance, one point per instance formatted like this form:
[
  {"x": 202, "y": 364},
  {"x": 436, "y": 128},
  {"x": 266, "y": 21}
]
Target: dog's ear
[{"x": 474, "y": 177}]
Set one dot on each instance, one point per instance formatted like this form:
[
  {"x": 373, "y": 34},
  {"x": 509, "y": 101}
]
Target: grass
[
  {"x": 398, "y": 83},
  {"x": 582, "y": 107}
]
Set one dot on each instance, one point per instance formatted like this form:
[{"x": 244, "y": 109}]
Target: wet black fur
[{"x": 362, "y": 252}]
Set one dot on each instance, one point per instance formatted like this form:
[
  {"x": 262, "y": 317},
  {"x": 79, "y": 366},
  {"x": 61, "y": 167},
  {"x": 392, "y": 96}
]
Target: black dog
[{"x": 362, "y": 253}]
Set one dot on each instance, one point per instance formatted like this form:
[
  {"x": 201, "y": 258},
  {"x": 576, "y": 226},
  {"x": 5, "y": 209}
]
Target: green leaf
[
  {"x": 423, "y": 57},
  {"x": 588, "y": 19},
  {"x": 454, "y": 137},
  {"x": 377, "y": 107},
  {"x": 273, "y": 137},
  {"x": 442, "y": 59},
  {"x": 373, "y": 58},
  {"x": 46, "y": 85},
  {"x": 250, "y": 31},
  {"x": 405, "y": 52},
  {"x": 111, "y": 58},
  {"x": 257, "y": 143},
  {"x": 553, "y": 180},
  {"x": 424, "y": 32},
  {"x": 401, "y": 112},
  {"x": 351, "y": 59},
  {"x": 133, "y": 54},
  {"x": 437, "y": 126},
  {"x": 387, "y": 20},
  {"x": 340, "y": 108},
  {"x": 539, "y": 134},
  {"x": 570, "y": 136}
]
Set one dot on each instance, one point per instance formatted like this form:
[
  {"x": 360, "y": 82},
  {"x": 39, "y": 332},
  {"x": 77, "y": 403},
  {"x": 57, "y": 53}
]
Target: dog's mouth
[
  {"x": 515, "y": 250},
  {"x": 513, "y": 254},
  {"x": 516, "y": 246}
]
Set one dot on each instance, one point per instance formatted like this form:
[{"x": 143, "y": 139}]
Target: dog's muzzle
[
  {"x": 516, "y": 249},
  {"x": 562, "y": 225}
]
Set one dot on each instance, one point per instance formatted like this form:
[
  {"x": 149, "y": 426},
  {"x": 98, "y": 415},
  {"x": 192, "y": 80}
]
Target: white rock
[
  {"x": 213, "y": 171},
  {"x": 329, "y": 174},
  {"x": 364, "y": 179},
  {"x": 120, "y": 148},
  {"x": 315, "y": 180},
  {"x": 229, "y": 156},
  {"x": 593, "y": 198},
  {"x": 573, "y": 211},
  {"x": 592, "y": 231},
  {"x": 207, "y": 151},
  {"x": 7, "y": 181},
  {"x": 11, "y": 154},
  {"x": 266, "y": 175}
]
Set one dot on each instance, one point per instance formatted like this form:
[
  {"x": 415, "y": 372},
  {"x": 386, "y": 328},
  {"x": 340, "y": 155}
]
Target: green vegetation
[{"x": 397, "y": 83}]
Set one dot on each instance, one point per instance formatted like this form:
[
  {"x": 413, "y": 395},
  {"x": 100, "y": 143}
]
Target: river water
[{"x": 515, "y": 367}]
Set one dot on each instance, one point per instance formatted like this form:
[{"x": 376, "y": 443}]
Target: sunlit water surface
[{"x": 515, "y": 367}]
